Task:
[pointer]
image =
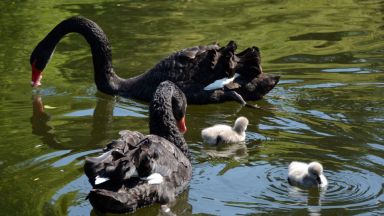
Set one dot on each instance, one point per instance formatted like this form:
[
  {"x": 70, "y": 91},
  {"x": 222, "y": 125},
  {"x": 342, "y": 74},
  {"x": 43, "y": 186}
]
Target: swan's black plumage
[
  {"x": 190, "y": 69},
  {"x": 164, "y": 151}
]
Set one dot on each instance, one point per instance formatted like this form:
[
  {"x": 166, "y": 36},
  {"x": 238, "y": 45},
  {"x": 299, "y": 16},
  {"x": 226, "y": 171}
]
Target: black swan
[
  {"x": 192, "y": 69},
  {"x": 138, "y": 170}
]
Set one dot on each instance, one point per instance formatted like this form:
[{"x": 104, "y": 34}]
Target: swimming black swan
[
  {"x": 138, "y": 170},
  {"x": 306, "y": 175},
  {"x": 221, "y": 133},
  {"x": 192, "y": 69}
]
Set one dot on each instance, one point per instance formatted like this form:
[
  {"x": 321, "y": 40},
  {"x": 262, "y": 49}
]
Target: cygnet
[
  {"x": 306, "y": 175},
  {"x": 220, "y": 133}
]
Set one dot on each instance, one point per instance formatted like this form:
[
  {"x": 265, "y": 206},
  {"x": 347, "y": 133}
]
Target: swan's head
[
  {"x": 315, "y": 169},
  {"x": 39, "y": 60},
  {"x": 241, "y": 124},
  {"x": 166, "y": 99}
]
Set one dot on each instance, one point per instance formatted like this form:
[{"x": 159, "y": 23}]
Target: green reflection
[{"x": 327, "y": 107}]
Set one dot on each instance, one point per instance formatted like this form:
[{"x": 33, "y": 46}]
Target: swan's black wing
[
  {"x": 199, "y": 65},
  {"x": 128, "y": 140},
  {"x": 194, "y": 68},
  {"x": 153, "y": 154},
  {"x": 241, "y": 89},
  {"x": 113, "y": 156}
]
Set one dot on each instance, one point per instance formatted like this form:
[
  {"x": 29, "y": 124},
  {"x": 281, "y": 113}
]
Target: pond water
[{"x": 328, "y": 106}]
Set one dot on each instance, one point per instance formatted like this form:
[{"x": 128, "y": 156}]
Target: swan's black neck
[
  {"x": 162, "y": 121},
  {"x": 106, "y": 79}
]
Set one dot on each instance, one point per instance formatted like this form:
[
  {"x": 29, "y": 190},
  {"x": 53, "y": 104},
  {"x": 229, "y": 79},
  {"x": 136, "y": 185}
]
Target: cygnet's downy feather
[
  {"x": 221, "y": 133},
  {"x": 306, "y": 175}
]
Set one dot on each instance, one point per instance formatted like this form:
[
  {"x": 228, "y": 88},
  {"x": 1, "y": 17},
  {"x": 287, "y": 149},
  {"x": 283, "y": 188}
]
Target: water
[{"x": 327, "y": 107}]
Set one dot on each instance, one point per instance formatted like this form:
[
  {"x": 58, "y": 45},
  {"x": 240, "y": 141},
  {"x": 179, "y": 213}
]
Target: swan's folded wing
[
  {"x": 153, "y": 154},
  {"x": 95, "y": 166},
  {"x": 123, "y": 200},
  {"x": 164, "y": 156},
  {"x": 127, "y": 141},
  {"x": 192, "y": 52},
  {"x": 206, "y": 64},
  {"x": 132, "y": 138},
  {"x": 101, "y": 166}
]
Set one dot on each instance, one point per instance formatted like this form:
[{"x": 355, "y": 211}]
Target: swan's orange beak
[
  {"x": 36, "y": 76},
  {"x": 181, "y": 125}
]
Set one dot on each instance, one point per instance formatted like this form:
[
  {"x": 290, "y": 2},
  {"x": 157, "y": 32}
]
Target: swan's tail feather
[
  {"x": 249, "y": 63},
  {"x": 225, "y": 66}
]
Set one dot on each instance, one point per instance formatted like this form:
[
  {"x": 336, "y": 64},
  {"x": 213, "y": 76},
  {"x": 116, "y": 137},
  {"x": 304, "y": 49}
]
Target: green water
[{"x": 328, "y": 105}]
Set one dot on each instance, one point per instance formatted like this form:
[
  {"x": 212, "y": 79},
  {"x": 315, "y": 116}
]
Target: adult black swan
[
  {"x": 138, "y": 170},
  {"x": 192, "y": 69}
]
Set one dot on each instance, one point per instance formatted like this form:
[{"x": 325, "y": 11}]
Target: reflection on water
[{"x": 328, "y": 105}]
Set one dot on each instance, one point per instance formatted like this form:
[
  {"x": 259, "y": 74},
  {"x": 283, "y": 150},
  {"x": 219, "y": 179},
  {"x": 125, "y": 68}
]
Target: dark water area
[{"x": 327, "y": 107}]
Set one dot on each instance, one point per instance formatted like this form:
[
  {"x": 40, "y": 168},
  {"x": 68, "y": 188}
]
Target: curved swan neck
[
  {"x": 106, "y": 79},
  {"x": 162, "y": 121}
]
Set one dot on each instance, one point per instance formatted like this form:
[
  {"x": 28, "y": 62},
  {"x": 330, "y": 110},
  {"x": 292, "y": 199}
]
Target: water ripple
[
  {"x": 350, "y": 188},
  {"x": 264, "y": 188}
]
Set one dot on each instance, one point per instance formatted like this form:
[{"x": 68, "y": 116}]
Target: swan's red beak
[
  {"x": 181, "y": 125},
  {"x": 36, "y": 76},
  {"x": 38, "y": 107}
]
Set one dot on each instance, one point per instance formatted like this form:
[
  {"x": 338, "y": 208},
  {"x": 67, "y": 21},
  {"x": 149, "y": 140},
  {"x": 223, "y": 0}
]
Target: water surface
[{"x": 327, "y": 107}]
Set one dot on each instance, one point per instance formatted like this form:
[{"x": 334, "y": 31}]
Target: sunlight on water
[{"x": 328, "y": 105}]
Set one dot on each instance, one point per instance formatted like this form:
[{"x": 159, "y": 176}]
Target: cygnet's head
[
  {"x": 241, "y": 124},
  {"x": 316, "y": 170}
]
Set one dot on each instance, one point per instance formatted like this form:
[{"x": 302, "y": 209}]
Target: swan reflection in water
[
  {"x": 235, "y": 151},
  {"x": 39, "y": 122},
  {"x": 101, "y": 124},
  {"x": 311, "y": 197}
]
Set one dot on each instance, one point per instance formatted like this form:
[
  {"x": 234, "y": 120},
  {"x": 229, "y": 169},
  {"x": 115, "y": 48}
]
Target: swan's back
[
  {"x": 194, "y": 66},
  {"x": 211, "y": 134},
  {"x": 155, "y": 155},
  {"x": 297, "y": 170}
]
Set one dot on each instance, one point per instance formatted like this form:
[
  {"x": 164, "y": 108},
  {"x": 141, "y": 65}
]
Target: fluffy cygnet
[
  {"x": 220, "y": 133},
  {"x": 307, "y": 175}
]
